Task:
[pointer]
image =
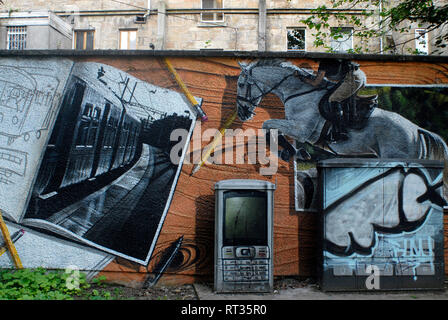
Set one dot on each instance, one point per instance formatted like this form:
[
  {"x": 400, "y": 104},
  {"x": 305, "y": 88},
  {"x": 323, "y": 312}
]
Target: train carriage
[
  {"x": 26, "y": 101},
  {"x": 91, "y": 137},
  {"x": 132, "y": 140},
  {"x": 107, "y": 137},
  {"x": 122, "y": 141},
  {"x": 84, "y": 145},
  {"x": 52, "y": 168},
  {"x": 16, "y": 95}
]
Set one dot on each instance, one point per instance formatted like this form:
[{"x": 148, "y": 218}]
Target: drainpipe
[
  {"x": 161, "y": 21},
  {"x": 262, "y": 25},
  {"x": 381, "y": 25},
  {"x": 148, "y": 12}
]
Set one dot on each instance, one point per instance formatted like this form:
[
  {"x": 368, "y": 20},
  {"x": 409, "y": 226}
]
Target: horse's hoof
[
  {"x": 302, "y": 154},
  {"x": 285, "y": 155}
]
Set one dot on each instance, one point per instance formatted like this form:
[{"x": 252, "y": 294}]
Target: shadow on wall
[
  {"x": 205, "y": 236},
  {"x": 270, "y": 103},
  {"x": 308, "y": 243}
]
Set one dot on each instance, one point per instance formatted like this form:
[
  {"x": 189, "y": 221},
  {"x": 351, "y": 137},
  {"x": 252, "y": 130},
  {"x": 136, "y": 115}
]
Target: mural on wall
[
  {"x": 327, "y": 117},
  {"x": 85, "y": 168},
  {"x": 105, "y": 177}
]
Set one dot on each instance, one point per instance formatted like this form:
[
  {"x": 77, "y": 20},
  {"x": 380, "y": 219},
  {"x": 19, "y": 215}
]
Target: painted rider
[{"x": 351, "y": 79}]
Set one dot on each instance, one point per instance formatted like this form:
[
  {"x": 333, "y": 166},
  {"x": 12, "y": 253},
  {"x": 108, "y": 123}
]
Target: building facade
[
  {"x": 34, "y": 30},
  {"x": 264, "y": 25}
]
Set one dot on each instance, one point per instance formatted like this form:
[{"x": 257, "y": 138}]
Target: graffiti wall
[
  {"x": 382, "y": 219},
  {"x": 105, "y": 167}
]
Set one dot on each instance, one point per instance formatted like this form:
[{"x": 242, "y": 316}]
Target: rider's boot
[
  {"x": 287, "y": 151},
  {"x": 338, "y": 132},
  {"x": 303, "y": 155}
]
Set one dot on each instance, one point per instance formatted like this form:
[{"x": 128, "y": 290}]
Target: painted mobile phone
[{"x": 244, "y": 236}]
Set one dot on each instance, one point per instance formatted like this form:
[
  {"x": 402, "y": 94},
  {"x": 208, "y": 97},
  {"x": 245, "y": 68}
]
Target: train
[
  {"x": 94, "y": 135},
  {"x": 21, "y": 92}
]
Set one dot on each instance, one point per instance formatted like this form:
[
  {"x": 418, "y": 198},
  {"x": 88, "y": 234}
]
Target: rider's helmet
[{"x": 335, "y": 69}]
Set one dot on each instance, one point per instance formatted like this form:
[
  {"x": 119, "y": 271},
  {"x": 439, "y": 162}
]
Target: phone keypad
[{"x": 241, "y": 270}]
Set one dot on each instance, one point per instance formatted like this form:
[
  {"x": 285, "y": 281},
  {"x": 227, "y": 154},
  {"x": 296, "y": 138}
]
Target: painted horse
[{"x": 384, "y": 134}]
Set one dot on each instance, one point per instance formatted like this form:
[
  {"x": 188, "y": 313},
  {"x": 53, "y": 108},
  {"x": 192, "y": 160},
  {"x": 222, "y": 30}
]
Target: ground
[
  {"x": 182, "y": 292},
  {"x": 288, "y": 288}
]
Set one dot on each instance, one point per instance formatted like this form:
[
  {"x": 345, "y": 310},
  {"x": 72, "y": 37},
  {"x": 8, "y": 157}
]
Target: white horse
[{"x": 385, "y": 135}]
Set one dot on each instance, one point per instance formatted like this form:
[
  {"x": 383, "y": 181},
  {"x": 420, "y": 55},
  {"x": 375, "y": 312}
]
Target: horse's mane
[{"x": 279, "y": 63}]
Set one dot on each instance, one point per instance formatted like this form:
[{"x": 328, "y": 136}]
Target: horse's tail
[{"x": 432, "y": 146}]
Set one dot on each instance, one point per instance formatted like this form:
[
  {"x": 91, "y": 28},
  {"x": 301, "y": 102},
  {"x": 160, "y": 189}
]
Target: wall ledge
[{"x": 219, "y": 53}]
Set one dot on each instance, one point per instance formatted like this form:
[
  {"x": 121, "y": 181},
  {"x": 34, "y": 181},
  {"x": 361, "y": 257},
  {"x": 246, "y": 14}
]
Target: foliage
[
  {"x": 296, "y": 39},
  {"x": 40, "y": 284},
  {"x": 375, "y": 19}
]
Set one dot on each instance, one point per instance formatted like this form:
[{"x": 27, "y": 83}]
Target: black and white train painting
[{"x": 98, "y": 166}]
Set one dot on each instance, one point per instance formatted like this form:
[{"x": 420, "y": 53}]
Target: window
[
  {"x": 128, "y": 39},
  {"x": 16, "y": 39},
  {"x": 83, "y": 130},
  {"x": 87, "y": 110},
  {"x": 84, "y": 39},
  {"x": 390, "y": 44},
  {"x": 212, "y": 16},
  {"x": 343, "y": 41},
  {"x": 94, "y": 125},
  {"x": 296, "y": 39},
  {"x": 421, "y": 41},
  {"x": 88, "y": 126},
  {"x": 110, "y": 133}
]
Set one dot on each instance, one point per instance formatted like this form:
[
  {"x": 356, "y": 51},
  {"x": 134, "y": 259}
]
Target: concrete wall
[
  {"x": 59, "y": 40},
  {"x": 46, "y": 37},
  {"x": 128, "y": 221},
  {"x": 44, "y": 30}
]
